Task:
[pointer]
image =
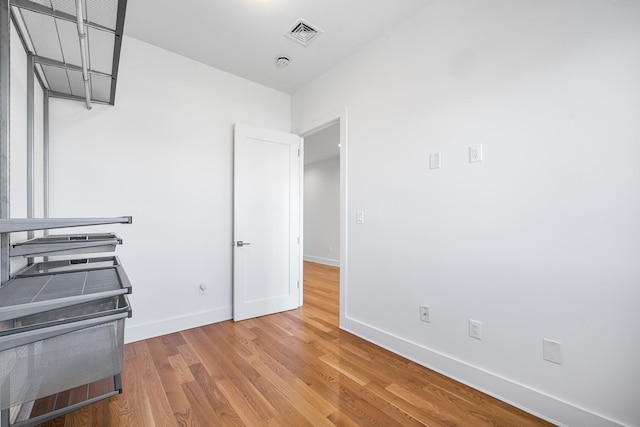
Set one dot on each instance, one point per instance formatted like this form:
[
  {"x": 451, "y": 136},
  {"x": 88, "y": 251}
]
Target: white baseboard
[
  {"x": 320, "y": 260},
  {"x": 519, "y": 395},
  {"x": 175, "y": 324}
]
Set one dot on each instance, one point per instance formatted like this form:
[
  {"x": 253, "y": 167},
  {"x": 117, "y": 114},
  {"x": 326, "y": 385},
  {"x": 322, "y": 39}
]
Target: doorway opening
[{"x": 324, "y": 198}]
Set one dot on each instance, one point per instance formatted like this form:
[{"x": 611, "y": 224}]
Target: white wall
[
  {"x": 162, "y": 154},
  {"x": 322, "y": 211},
  {"x": 542, "y": 239}
]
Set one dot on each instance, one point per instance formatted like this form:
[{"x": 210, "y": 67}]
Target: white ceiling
[{"x": 245, "y": 37}]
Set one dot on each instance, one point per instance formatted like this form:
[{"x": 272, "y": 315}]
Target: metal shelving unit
[
  {"x": 61, "y": 322},
  {"x": 61, "y": 325},
  {"x": 83, "y": 64}
]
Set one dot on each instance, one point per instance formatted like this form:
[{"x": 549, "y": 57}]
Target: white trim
[
  {"x": 301, "y": 167},
  {"x": 320, "y": 260},
  {"x": 175, "y": 324},
  {"x": 320, "y": 127},
  {"x": 533, "y": 401}
]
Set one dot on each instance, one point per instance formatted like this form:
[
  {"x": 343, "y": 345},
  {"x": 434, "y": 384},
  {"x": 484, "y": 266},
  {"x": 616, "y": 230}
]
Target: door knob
[{"x": 240, "y": 243}]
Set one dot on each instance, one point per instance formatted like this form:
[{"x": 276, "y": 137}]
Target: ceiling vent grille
[{"x": 303, "y": 32}]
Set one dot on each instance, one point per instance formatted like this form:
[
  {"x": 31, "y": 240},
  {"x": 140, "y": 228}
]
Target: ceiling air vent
[{"x": 303, "y": 32}]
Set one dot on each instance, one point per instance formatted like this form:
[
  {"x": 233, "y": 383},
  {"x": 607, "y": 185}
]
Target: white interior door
[{"x": 266, "y": 227}]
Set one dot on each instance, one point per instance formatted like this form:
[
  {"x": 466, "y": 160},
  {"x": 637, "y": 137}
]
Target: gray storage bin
[
  {"x": 24, "y": 296},
  {"x": 61, "y": 357},
  {"x": 74, "y": 313}
]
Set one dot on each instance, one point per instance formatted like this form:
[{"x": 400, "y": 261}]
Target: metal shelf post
[
  {"x": 30, "y": 139},
  {"x": 5, "y": 99}
]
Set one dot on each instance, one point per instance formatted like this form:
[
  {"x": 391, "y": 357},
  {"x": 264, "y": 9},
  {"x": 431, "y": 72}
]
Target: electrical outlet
[
  {"x": 552, "y": 351},
  {"x": 424, "y": 314},
  {"x": 475, "y": 153},
  {"x": 202, "y": 288},
  {"x": 475, "y": 329}
]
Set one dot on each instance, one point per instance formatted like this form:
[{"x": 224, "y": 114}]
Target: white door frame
[{"x": 310, "y": 127}]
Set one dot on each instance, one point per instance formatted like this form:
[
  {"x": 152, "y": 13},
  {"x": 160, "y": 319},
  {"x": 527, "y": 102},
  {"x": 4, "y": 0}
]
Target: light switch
[
  {"x": 552, "y": 351},
  {"x": 434, "y": 160},
  {"x": 359, "y": 217}
]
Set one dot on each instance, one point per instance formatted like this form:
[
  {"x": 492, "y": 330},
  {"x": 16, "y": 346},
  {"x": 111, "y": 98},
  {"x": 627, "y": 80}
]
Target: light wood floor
[{"x": 289, "y": 369}]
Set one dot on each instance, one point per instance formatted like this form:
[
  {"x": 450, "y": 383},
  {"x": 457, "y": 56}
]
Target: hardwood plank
[
  {"x": 188, "y": 355},
  {"x": 181, "y": 368},
  {"x": 120, "y": 412},
  {"x": 98, "y": 414},
  {"x": 100, "y": 387},
  {"x": 63, "y": 399},
  {"x": 43, "y": 406},
  {"x": 141, "y": 387},
  {"x": 80, "y": 418},
  {"x": 162, "y": 413},
  {"x": 220, "y": 405},
  {"x": 339, "y": 418},
  {"x": 172, "y": 379},
  {"x": 129, "y": 402},
  {"x": 419, "y": 408},
  {"x": 57, "y": 422},
  {"x": 78, "y": 394},
  {"x": 129, "y": 352},
  {"x": 239, "y": 372},
  {"x": 344, "y": 370},
  {"x": 286, "y": 410},
  {"x": 308, "y": 402},
  {"x": 245, "y": 411},
  {"x": 195, "y": 339},
  {"x": 203, "y": 414},
  {"x": 399, "y": 415}
]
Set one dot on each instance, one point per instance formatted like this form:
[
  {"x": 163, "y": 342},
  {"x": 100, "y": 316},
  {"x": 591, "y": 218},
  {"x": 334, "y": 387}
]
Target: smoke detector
[
  {"x": 282, "y": 61},
  {"x": 303, "y": 32}
]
